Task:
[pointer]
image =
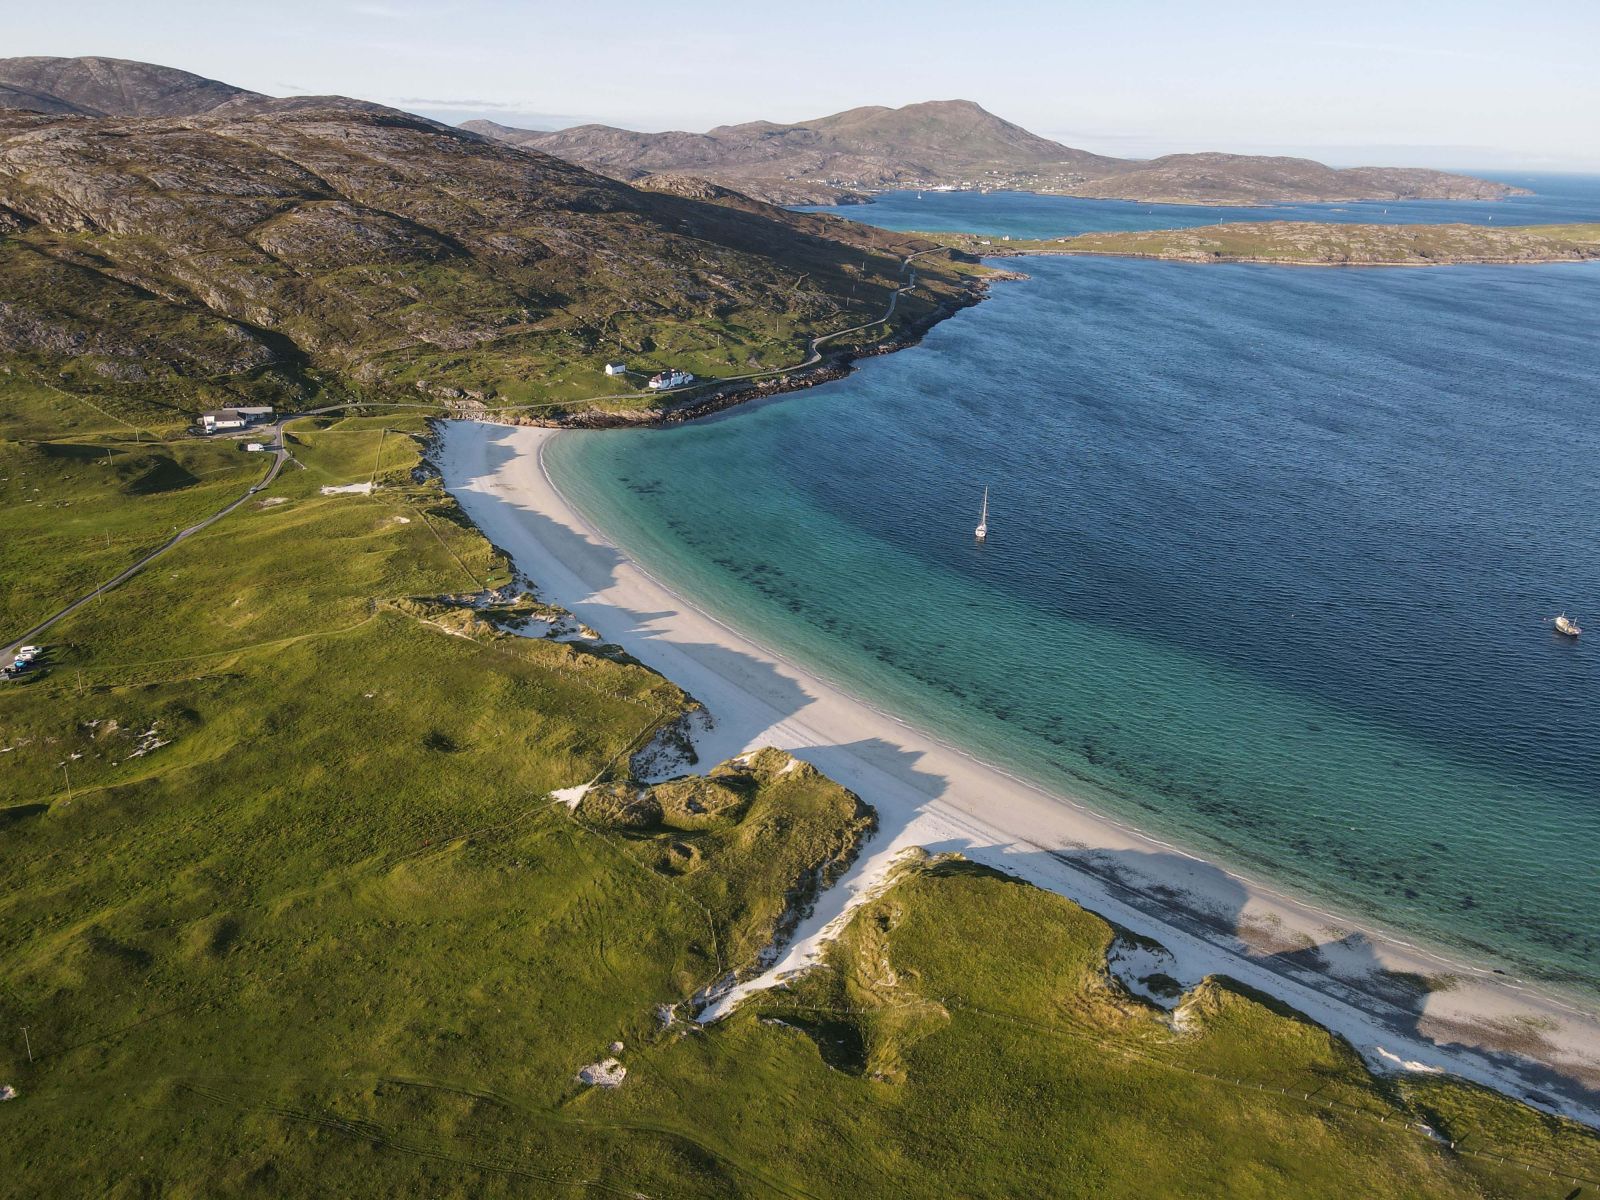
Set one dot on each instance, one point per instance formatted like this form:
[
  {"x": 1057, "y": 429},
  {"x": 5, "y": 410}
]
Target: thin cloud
[{"x": 485, "y": 106}]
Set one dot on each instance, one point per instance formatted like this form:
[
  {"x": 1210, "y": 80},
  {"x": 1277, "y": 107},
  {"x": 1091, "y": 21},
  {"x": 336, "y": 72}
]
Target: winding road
[{"x": 280, "y": 456}]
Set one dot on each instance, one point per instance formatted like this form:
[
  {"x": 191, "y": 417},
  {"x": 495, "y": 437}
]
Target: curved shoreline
[{"x": 931, "y": 794}]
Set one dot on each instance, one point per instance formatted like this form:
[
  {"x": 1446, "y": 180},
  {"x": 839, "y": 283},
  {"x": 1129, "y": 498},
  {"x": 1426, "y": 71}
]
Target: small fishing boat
[
  {"x": 982, "y": 531},
  {"x": 1566, "y": 625}
]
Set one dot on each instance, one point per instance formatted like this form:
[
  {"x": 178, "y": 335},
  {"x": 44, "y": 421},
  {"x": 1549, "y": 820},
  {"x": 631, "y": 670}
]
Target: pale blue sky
[{"x": 1454, "y": 83}]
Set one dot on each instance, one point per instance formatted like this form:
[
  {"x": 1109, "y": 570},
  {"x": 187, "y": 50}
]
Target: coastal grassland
[
  {"x": 301, "y": 864},
  {"x": 89, "y": 483},
  {"x": 791, "y": 829},
  {"x": 1314, "y": 243},
  {"x": 291, "y": 912},
  {"x": 981, "y": 1040},
  {"x": 560, "y": 372},
  {"x": 79, "y": 511}
]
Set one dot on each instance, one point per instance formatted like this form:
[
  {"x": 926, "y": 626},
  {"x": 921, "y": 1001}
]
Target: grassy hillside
[
  {"x": 287, "y": 246},
  {"x": 1315, "y": 243},
  {"x": 299, "y": 916}
]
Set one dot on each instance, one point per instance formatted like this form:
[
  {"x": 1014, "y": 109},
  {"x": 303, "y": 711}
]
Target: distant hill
[
  {"x": 110, "y": 87},
  {"x": 1251, "y": 179},
  {"x": 958, "y": 143},
  {"x": 862, "y": 150}
]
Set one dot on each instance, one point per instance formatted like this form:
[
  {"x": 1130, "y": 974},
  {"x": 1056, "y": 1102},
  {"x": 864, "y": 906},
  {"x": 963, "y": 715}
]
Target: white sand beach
[{"x": 1362, "y": 984}]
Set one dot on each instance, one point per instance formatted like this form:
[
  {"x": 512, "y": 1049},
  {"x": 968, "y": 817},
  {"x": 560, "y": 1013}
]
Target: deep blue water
[
  {"x": 1557, "y": 199},
  {"x": 1273, "y": 556}
]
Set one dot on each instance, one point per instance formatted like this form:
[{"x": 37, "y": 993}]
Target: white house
[
  {"x": 223, "y": 419},
  {"x": 616, "y": 368},
  {"x": 669, "y": 379}
]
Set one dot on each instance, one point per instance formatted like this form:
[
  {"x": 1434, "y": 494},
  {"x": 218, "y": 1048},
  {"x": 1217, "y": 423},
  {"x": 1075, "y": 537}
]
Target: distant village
[{"x": 988, "y": 181}]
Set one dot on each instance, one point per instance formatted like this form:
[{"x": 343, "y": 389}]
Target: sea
[{"x": 1273, "y": 557}]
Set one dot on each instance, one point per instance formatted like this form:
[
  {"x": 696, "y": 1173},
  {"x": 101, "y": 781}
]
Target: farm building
[{"x": 222, "y": 420}]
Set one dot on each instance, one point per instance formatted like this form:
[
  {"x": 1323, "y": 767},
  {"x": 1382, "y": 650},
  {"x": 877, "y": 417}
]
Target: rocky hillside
[
  {"x": 110, "y": 87},
  {"x": 845, "y": 157},
  {"x": 301, "y": 240},
  {"x": 849, "y": 153}
]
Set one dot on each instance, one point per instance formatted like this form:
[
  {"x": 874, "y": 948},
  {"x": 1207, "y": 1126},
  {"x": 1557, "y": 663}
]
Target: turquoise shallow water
[{"x": 1272, "y": 559}]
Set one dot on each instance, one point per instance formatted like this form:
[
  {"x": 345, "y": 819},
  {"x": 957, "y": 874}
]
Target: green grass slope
[{"x": 291, "y": 911}]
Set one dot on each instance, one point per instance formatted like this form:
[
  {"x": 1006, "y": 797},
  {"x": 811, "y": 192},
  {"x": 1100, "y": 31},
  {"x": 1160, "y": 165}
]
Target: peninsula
[{"x": 1313, "y": 243}]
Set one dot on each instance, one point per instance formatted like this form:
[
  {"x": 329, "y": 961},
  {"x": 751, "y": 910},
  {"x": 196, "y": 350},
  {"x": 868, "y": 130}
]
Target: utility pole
[
  {"x": 67, "y": 775},
  {"x": 28, "y": 1043}
]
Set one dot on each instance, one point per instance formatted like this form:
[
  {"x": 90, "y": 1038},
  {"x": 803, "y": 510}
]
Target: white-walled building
[
  {"x": 671, "y": 378},
  {"x": 222, "y": 420}
]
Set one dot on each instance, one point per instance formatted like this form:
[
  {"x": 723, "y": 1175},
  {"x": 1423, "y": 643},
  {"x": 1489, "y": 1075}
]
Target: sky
[{"x": 1446, "y": 83}]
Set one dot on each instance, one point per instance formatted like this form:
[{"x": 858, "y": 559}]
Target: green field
[{"x": 298, "y": 915}]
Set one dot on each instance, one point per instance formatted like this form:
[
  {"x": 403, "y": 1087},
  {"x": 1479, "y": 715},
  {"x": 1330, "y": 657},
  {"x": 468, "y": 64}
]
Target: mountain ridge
[
  {"x": 846, "y": 156},
  {"x": 95, "y": 86}
]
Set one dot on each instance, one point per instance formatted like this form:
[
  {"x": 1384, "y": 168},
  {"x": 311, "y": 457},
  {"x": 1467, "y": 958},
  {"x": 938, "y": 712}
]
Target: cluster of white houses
[
  {"x": 224, "y": 420},
  {"x": 670, "y": 378}
]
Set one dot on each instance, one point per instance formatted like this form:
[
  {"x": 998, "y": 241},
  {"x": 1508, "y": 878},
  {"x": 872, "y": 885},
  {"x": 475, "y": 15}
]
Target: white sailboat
[
  {"x": 1567, "y": 626},
  {"x": 982, "y": 531}
]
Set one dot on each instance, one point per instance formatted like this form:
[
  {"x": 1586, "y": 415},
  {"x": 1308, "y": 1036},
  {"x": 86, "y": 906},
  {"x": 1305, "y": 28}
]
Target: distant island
[
  {"x": 1313, "y": 243},
  {"x": 846, "y": 157}
]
